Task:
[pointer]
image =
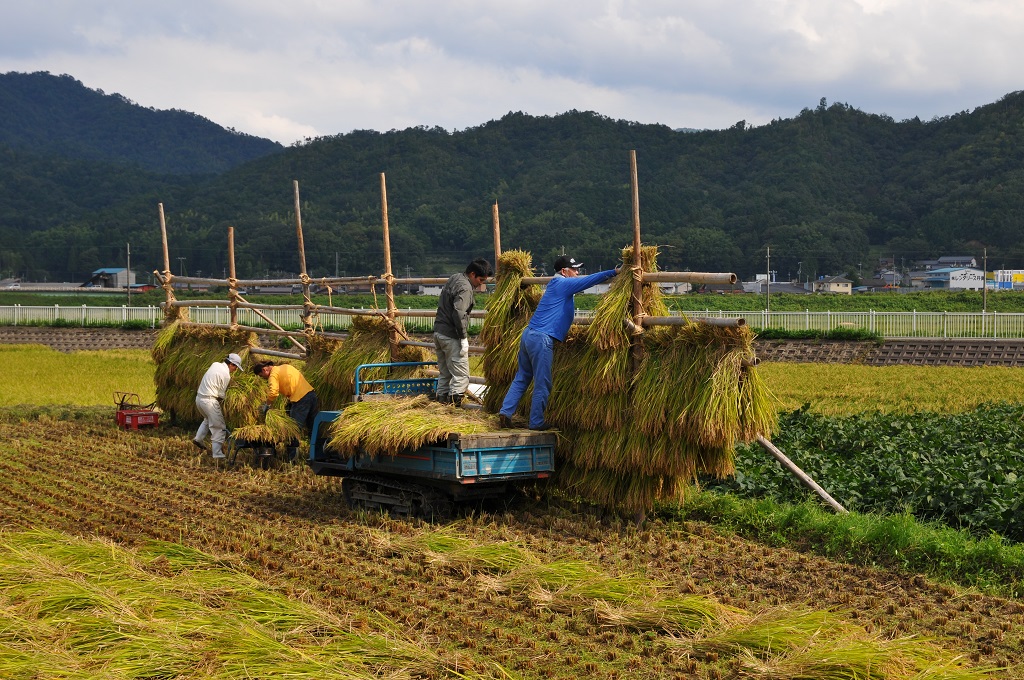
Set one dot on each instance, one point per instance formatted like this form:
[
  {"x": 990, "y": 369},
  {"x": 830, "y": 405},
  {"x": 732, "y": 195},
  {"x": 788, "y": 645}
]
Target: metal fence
[{"x": 887, "y": 324}]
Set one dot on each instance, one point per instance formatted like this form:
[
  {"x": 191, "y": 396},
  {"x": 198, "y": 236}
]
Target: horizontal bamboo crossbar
[
  {"x": 658, "y": 277},
  {"x": 649, "y": 277},
  {"x": 649, "y": 321},
  {"x": 266, "y": 331},
  {"x": 276, "y": 353},
  {"x": 417, "y": 313}
]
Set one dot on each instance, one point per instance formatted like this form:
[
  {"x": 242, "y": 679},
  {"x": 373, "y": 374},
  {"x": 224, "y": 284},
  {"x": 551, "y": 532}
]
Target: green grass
[
  {"x": 896, "y": 542},
  {"x": 38, "y": 375}
]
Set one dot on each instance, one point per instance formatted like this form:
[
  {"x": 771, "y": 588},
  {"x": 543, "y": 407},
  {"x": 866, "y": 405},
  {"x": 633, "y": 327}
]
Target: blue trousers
[{"x": 536, "y": 350}]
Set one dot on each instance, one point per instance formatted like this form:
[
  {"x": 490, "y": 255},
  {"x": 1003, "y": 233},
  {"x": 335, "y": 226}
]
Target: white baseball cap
[{"x": 234, "y": 359}]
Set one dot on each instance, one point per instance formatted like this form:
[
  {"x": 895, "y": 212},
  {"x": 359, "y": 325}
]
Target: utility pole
[
  {"x": 129, "y": 252},
  {"x": 181, "y": 266},
  {"x": 335, "y": 264},
  {"x": 984, "y": 282},
  {"x": 768, "y": 280}
]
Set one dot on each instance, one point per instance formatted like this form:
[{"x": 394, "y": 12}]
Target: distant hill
[
  {"x": 58, "y": 115},
  {"x": 830, "y": 191}
]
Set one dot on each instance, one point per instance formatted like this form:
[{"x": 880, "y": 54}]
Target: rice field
[
  {"x": 38, "y": 375},
  {"x": 845, "y": 389},
  {"x": 266, "y": 569},
  {"x": 112, "y": 541}
]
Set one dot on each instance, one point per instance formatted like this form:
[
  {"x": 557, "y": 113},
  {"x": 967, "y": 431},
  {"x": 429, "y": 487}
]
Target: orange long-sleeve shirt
[{"x": 288, "y": 381}]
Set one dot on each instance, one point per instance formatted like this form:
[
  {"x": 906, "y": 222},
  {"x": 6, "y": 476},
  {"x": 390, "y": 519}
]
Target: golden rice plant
[
  {"x": 277, "y": 428},
  {"x": 771, "y": 633},
  {"x": 243, "y": 398},
  {"x": 388, "y": 426},
  {"x": 90, "y": 609},
  {"x": 444, "y": 548}
]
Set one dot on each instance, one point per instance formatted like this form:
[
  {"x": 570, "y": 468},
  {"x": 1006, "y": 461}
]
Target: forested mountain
[
  {"x": 827, "y": 190},
  {"x": 59, "y": 116}
]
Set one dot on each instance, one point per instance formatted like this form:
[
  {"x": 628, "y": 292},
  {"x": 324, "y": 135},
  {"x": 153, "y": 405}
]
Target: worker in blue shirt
[{"x": 550, "y": 322}]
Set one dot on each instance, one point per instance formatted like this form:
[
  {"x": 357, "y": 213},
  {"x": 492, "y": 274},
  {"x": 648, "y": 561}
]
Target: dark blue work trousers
[{"x": 536, "y": 350}]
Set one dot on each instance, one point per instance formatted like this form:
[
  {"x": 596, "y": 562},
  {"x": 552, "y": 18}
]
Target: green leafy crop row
[{"x": 959, "y": 469}]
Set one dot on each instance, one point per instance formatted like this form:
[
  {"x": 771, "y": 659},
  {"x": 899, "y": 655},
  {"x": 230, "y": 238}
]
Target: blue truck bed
[
  {"x": 425, "y": 480},
  {"x": 464, "y": 459}
]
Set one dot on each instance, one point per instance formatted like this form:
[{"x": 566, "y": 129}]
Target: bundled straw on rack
[
  {"x": 183, "y": 353},
  {"x": 642, "y": 415},
  {"x": 331, "y": 370},
  {"x": 508, "y": 312}
]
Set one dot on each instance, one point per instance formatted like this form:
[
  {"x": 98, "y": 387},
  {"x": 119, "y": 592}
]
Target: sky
[{"x": 307, "y": 68}]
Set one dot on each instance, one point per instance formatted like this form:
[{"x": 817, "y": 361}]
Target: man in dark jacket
[
  {"x": 451, "y": 330},
  {"x": 549, "y": 324}
]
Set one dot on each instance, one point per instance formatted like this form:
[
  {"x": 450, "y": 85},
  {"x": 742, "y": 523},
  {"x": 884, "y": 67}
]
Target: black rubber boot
[
  {"x": 292, "y": 453},
  {"x": 455, "y": 400}
]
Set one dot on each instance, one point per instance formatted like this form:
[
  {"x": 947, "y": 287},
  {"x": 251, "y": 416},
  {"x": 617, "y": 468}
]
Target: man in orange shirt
[{"x": 287, "y": 381}]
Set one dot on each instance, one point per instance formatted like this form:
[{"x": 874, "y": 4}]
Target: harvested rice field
[{"x": 265, "y": 573}]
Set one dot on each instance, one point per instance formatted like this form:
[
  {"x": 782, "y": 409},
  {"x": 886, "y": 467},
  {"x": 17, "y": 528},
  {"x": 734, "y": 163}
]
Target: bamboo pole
[
  {"x": 307, "y": 317},
  {"x": 232, "y": 283},
  {"x": 636, "y": 299},
  {"x": 266, "y": 331},
  {"x": 388, "y": 278},
  {"x": 167, "y": 277},
  {"x": 274, "y": 324},
  {"x": 496, "y": 228},
  {"x": 648, "y": 277},
  {"x": 163, "y": 236},
  {"x": 276, "y": 353},
  {"x": 655, "y": 277},
  {"x": 798, "y": 473}
]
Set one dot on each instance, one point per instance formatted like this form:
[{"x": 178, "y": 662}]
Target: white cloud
[{"x": 315, "y": 67}]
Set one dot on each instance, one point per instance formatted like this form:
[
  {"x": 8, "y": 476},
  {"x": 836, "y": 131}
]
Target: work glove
[
  {"x": 464, "y": 343},
  {"x": 263, "y": 411}
]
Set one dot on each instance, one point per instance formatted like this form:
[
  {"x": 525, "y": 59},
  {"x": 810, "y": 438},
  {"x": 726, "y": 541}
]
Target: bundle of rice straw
[
  {"x": 183, "y": 353},
  {"x": 242, "y": 401},
  {"x": 277, "y": 428},
  {"x": 508, "y": 312},
  {"x": 332, "y": 369},
  {"x": 387, "y": 426},
  {"x": 643, "y": 416}
]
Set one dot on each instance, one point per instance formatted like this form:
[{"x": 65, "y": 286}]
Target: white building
[{"x": 955, "y": 278}]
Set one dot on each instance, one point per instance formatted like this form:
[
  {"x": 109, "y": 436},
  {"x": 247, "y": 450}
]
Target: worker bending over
[
  {"x": 550, "y": 323},
  {"x": 288, "y": 381},
  {"x": 209, "y": 398}
]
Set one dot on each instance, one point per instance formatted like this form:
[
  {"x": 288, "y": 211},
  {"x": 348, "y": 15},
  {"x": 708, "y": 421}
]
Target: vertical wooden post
[
  {"x": 298, "y": 227},
  {"x": 232, "y": 284},
  {"x": 307, "y": 304},
  {"x": 637, "y": 298},
  {"x": 167, "y": 276},
  {"x": 496, "y": 227},
  {"x": 388, "y": 277}
]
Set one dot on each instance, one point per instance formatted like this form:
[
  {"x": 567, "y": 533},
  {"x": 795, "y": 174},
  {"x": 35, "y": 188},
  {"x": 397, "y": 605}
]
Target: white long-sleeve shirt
[{"x": 215, "y": 382}]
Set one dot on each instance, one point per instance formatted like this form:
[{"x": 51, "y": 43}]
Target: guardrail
[{"x": 887, "y": 324}]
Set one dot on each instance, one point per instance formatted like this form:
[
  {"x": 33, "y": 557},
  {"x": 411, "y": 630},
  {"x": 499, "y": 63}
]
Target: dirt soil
[{"x": 292, "y": 530}]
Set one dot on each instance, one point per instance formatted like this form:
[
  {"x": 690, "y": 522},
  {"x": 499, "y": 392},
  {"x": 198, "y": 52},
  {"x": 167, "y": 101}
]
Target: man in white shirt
[{"x": 208, "y": 401}]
